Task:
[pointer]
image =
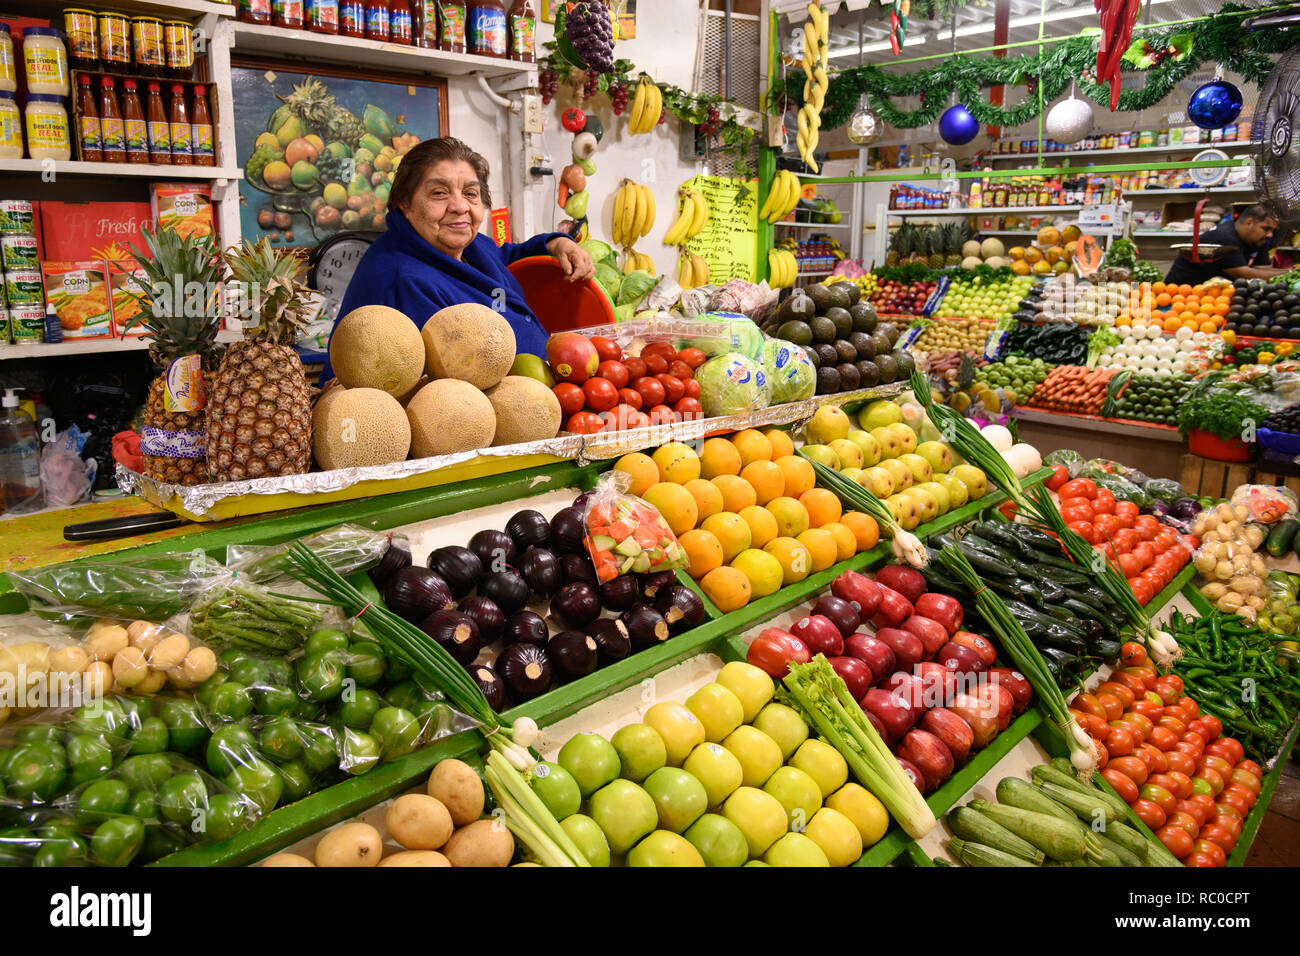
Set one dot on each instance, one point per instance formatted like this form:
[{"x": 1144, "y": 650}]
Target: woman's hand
[{"x": 573, "y": 259}]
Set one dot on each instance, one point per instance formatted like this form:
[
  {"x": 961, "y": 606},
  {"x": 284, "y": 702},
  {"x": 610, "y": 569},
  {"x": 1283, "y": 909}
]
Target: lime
[
  {"x": 137, "y": 709},
  {"x": 64, "y": 850},
  {"x": 358, "y": 712},
  {"x": 227, "y": 815},
  {"x": 326, "y": 639},
  {"x": 322, "y": 674},
  {"x": 184, "y": 724},
  {"x": 366, "y": 663},
  {"x": 307, "y": 709},
  {"x": 151, "y": 737},
  {"x": 232, "y": 657},
  {"x": 182, "y": 796},
  {"x": 405, "y": 695},
  {"x": 39, "y": 734},
  {"x": 205, "y": 691},
  {"x": 396, "y": 730},
  {"x": 144, "y": 804},
  {"x": 116, "y": 842},
  {"x": 231, "y": 701},
  {"x": 319, "y": 752},
  {"x": 556, "y": 788},
  {"x": 358, "y": 751},
  {"x": 297, "y": 782},
  {"x": 279, "y": 739},
  {"x": 90, "y": 756},
  {"x": 106, "y": 716},
  {"x": 229, "y": 747},
  {"x": 435, "y": 720},
  {"x": 145, "y": 771},
  {"x": 258, "y": 781},
  {"x": 35, "y": 772},
  {"x": 270, "y": 700},
  {"x": 278, "y": 672},
  {"x": 161, "y": 840},
  {"x": 103, "y": 799}
]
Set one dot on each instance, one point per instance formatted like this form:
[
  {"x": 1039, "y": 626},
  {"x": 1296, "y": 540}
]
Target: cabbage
[
  {"x": 735, "y": 333},
  {"x": 624, "y": 313},
  {"x": 790, "y": 371},
  {"x": 636, "y": 286},
  {"x": 600, "y": 252},
  {"x": 732, "y": 383},
  {"x": 610, "y": 279}
]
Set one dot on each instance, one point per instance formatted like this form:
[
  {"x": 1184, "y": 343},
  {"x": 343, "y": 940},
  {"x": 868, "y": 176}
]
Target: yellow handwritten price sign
[{"x": 729, "y": 240}]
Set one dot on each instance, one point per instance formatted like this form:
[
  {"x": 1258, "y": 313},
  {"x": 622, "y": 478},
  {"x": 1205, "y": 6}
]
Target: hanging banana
[
  {"x": 692, "y": 270},
  {"x": 782, "y": 268},
  {"x": 647, "y": 107},
  {"x": 634, "y": 213},
  {"x": 816, "y": 50},
  {"x": 638, "y": 262},
  {"x": 782, "y": 197},
  {"x": 690, "y": 220}
]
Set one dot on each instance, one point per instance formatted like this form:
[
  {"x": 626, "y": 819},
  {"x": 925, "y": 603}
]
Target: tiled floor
[{"x": 1278, "y": 840}]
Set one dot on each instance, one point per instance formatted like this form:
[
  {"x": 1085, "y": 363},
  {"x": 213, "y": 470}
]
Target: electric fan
[{"x": 1277, "y": 130}]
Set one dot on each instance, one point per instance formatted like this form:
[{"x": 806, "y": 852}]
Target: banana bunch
[
  {"x": 638, "y": 262},
  {"x": 816, "y": 48},
  {"x": 782, "y": 197},
  {"x": 782, "y": 268},
  {"x": 647, "y": 106},
  {"x": 694, "y": 214},
  {"x": 634, "y": 212},
  {"x": 692, "y": 270}
]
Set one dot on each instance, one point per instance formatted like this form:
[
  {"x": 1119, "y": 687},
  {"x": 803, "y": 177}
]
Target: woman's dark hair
[{"x": 416, "y": 164}]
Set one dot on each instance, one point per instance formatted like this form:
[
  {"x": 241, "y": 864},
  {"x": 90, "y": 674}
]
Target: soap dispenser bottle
[{"x": 20, "y": 459}]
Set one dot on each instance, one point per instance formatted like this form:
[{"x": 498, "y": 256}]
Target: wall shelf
[
  {"x": 114, "y": 170},
  {"x": 1181, "y": 147},
  {"x": 88, "y": 347}
]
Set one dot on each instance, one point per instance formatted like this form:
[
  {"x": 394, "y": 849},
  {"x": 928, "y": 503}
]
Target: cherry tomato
[
  {"x": 692, "y": 388},
  {"x": 1149, "y": 813},
  {"x": 688, "y": 408},
  {"x": 1119, "y": 690},
  {"x": 1250, "y": 767},
  {"x": 1212, "y": 850},
  {"x": 651, "y": 389},
  {"x": 635, "y": 368},
  {"x": 673, "y": 387},
  {"x": 607, "y": 349},
  {"x": 584, "y": 423},
  {"x": 1113, "y": 706},
  {"x": 654, "y": 364},
  {"x": 1131, "y": 767},
  {"x": 602, "y": 394},
  {"x": 1197, "y": 811},
  {"x": 1082, "y": 528},
  {"x": 1176, "y": 841},
  {"x": 694, "y": 358},
  {"x": 1060, "y": 475},
  {"x": 1119, "y": 741},
  {"x": 679, "y": 369},
  {"x": 1123, "y": 785},
  {"x": 773, "y": 651},
  {"x": 1229, "y": 748},
  {"x": 1188, "y": 823},
  {"x": 630, "y": 397},
  {"x": 614, "y": 371},
  {"x": 1212, "y": 777},
  {"x": 1078, "y": 488},
  {"x": 1182, "y": 762}
]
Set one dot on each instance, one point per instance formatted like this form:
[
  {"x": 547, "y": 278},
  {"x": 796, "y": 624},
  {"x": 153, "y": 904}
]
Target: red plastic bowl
[{"x": 561, "y": 305}]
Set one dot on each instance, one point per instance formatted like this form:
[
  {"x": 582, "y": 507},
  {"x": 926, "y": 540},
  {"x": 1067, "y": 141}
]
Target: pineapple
[
  {"x": 316, "y": 107},
  {"x": 952, "y": 248},
  {"x": 194, "y": 264},
  {"x": 896, "y": 250},
  {"x": 259, "y": 411},
  {"x": 938, "y": 240},
  {"x": 922, "y": 254}
]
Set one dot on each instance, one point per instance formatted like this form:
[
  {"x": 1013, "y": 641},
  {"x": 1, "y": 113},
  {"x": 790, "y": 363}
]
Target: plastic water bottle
[{"x": 20, "y": 459}]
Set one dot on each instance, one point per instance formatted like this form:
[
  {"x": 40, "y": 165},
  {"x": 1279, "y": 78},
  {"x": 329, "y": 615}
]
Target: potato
[
  {"x": 482, "y": 843},
  {"x": 1214, "y": 590},
  {"x": 129, "y": 667},
  {"x": 198, "y": 665},
  {"x": 1254, "y": 535},
  {"x": 352, "y": 845},
  {"x": 1245, "y": 584},
  {"x": 1223, "y": 570},
  {"x": 1230, "y": 601},
  {"x": 287, "y": 859},
  {"x": 152, "y": 683},
  {"x": 169, "y": 652},
  {"x": 419, "y": 822},
  {"x": 69, "y": 660},
  {"x": 104, "y": 643},
  {"x": 455, "y": 784},
  {"x": 1205, "y": 562},
  {"x": 97, "y": 679},
  {"x": 1240, "y": 512},
  {"x": 1254, "y": 602},
  {"x": 1224, "y": 512},
  {"x": 144, "y": 634},
  {"x": 416, "y": 858}
]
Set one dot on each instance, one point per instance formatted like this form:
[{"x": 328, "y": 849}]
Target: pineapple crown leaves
[
  {"x": 178, "y": 307},
  {"x": 271, "y": 293},
  {"x": 966, "y": 372}
]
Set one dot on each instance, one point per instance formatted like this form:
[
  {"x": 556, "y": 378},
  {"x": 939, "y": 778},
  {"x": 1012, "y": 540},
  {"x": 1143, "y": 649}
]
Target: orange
[
  {"x": 1156, "y": 287},
  {"x": 762, "y": 525},
  {"x": 677, "y": 462},
  {"x": 782, "y": 444},
  {"x": 823, "y": 507},
  {"x": 737, "y": 493},
  {"x": 708, "y": 499},
  {"x": 1207, "y": 327},
  {"x": 846, "y": 542},
  {"x": 731, "y": 531},
  {"x": 703, "y": 551},
  {"x": 864, "y": 528},
  {"x": 1222, "y": 308},
  {"x": 799, "y": 474},
  {"x": 1163, "y": 299},
  {"x": 1201, "y": 317},
  {"x": 727, "y": 588},
  {"x": 1171, "y": 324},
  {"x": 763, "y": 570},
  {"x": 766, "y": 478},
  {"x": 821, "y": 545},
  {"x": 753, "y": 445},
  {"x": 643, "y": 470},
  {"x": 790, "y": 514},
  {"x": 719, "y": 457},
  {"x": 1185, "y": 289},
  {"x": 795, "y": 560},
  {"x": 675, "y": 503}
]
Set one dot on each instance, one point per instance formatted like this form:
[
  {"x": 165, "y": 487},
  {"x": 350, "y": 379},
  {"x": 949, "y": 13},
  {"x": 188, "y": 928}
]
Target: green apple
[
  {"x": 795, "y": 849},
  {"x": 680, "y": 729},
  {"x": 760, "y": 817},
  {"x": 837, "y": 836},
  {"x": 870, "y": 447},
  {"x": 898, "y": 470},
  {"x": 717, "y": 769},
  {"x": 679, "y": 797},
  {"x": 827, "y": 424},
  {"x": 591, "y": 759},
  {"x": 585, "y": 832},
  {"x": 823, "y": 455},
  {"x": 972, "y": 478},
  {"x": 556, "y": 788},
  {"x": 750, "y": 684},
  {"x": 937, "y": 454},
  {"x": 532, "y": 366},
  {"x": 957, "y": 493},
  {"x": 664, "y": 848},
  {"x": 849, "y": 454},
  {"x": 918, "y": 466},
  {"x": 823, "y": 763},
  {"x": 759, "y": 754},
  {"x": 877, "y": 480},
  {"x": 941, "y": 496},
  {"x": 925, "y": 501},
  {"x": 718, "y": 709},
  {"x": 625, "y": 813},
  {"x": 890, "y": 446},
  {"x": 905, "y": 435},
  {"x": 879, "y": 413},
  {"x": 719, "y": 841},
  {"x": 784, "y": 725},
  {"x": 798, "y": 793},
  {"x": 641, "y": 751}
]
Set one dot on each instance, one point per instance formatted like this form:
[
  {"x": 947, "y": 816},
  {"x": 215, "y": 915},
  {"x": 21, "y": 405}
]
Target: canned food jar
[
  {"x": 147, "y": 45},
  {"x": 45, "y": 62},
  {"x": 17, "y": 217},
  {"x": 82, "y": 31},
  {"x": 8, "y": 68},
  {"x": 27, "y": 323},
  {"x": 178, "y": 37},
  {"x": 46, "y": 121},
  {"x": 6, "y": 335},
  {"x": 114, "y": 41},
  {"x": 19, "y": 253},
  {"x": 24, "y": 287},
  {"x": 11, "y": 127}
]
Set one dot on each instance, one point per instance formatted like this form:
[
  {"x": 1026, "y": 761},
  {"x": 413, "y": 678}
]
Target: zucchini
[
  {"x": 1283, "y": 536},
  {"x": 1055, "y": 837},
  {"x": 1049, "y": 773},
  {"x": 977, "y": 854},
  {"x": 975, "y": 827},
  {"x": 1122, "y": 853},
  {"x": 1125, "y": 836},
  {"x": 1018, "y": 793},
  {"x": 1085, "y": 806}
]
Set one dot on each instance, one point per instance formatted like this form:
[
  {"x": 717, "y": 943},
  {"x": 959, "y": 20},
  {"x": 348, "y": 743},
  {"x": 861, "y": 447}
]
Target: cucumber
[
  {"x": 977, "y": 854},
  {"x": 974, "y": 827},
  {"x": 1048, "y": 773},
  {"x": 1056, "y": 838},
  {"x": 1282, "y": 538},
  {"x": 1018, "y": 793},
  {"x": 1087, "y": 807},
  {"x": 1122, "y": 853}
]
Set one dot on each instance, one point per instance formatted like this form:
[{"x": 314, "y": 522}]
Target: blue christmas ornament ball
[
  {"x": 1214, "y": 105},
  {"x": 957, "y": 126}
]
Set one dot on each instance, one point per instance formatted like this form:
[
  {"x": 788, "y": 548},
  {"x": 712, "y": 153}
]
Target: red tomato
[
  {"x": 1126, "y": 539},
  {"x": 637, "y": 419},
  {"x": 1163, "y": 738},
  {"x": 630, "y": 397},
  {"x": 1223, "y": 810},
  {"x": 1103, "y": 507},
  {"x": 1060, "y": 475},
  {"x": 651, "y": 389},
  {"x": 1173, "y": 723},
  {"x": 1198, "y": 860},
  {"x": 1074, "y": 513},
  {"x": 1113, "y": 706},
  {"x": 662, "y": 415},
  {"x": 692, "y": 388},
  {"x": 1250, "y": 767},
  {"x": 1082, "y": 528},
  {"x": 1204, "y": 800},
  {"x": 1119, "y": 741},
  {"x": 1133, "y": 682},
  {"x": 1123, "y": 785},
  {"x": 1164, "y": 541},
  {"x": 1186, "y": 822},
  {"x": 1107, "y": 526},
  {"x": 1212, "y": 777},
  {"x": 1149, "y": 813},
  {"x": 773, "y": 651},
  {"x": 654, "y": 364},
  {"x": 673, "y": 387},
  {"x": 614, "y": 371},
  {"x": 689, "y": 408},
  {"x": 1154, "y": 757},
  {"x": 1245, "y": 794},
  {"x": 1215, "y": 725},
  {"x": 1176, "y": 841},
  {"x": 1236, "y": 800},
  {"x": 1147, "y": 707},
  {"x": 1178, "y": 711},
  {"x": 607, "y": 349},
  {"x": 573, "y": 119},
  {"x": 1078, "y": 488},
  {"x": 635, "y": 368},
  {"x": 1202, "y": 729},
  {"x": 1211, "y": 850},
  {"x": 692, "y": 357},
  {"x": 1192, "y": 745},
  {"x": 1182, "y": 762},
  {"x": 1197, "y": 811},
  {"x": 1130, "y": 565},
  {"x": 659, "y": 348},
  {"x": 1128, "y": 511},
  {"x": 1145, "y": 531},
  {"x": 584, "y": 423},
  {"x": 570, "y": 397},
  {"x": 1008, "y": 510},
  {"x": 1089, "y": 704},
  {"x": 1230, "y": 822},
  {"x": 1131, "y": 767},
  {"x": 1148, "y": 676},
  {"x": 1093, "y": 726},
  {"x": 1220, "y": 766},
  {"x": 1103, "y": 755},
  {"x": 1184, "y": 781},
  {"x": 679, "y": 369},
  {"x": 1133, "y": 654},
  {"x": 602, "y": 395},
  {"x": 1077, "y": 502},
  {"x": 1105, "y": 496},
  {"x": 1119, "y": 690},
  {"x": 1229, "y": 748},
  {"x": 1137, "y": 730}
]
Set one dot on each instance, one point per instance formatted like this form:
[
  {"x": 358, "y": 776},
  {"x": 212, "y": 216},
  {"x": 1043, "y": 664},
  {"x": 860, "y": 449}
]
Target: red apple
[
  {"x": 572, "y": 357},
  {"x": 896, "y": 716},
  {"x": 906, "y": 646},
  {"x": 910, "y": 691},
  {"x": 980, "y": 645},
  {"x": 933, "y": 635},
  {"x": 999, "y": 698},
  {"x": 820, "y": 634},
  {"x": 960, "y": 659},
  {"x": 914, "y": 773},
  {"x": 872, "y": 651},
  {"x": 980, "y": 715},
  {"x": 875, "y": 722},
  {"x": 908, "y": 582},
  {"x": 942, "y": 608},
  {"x": 1021, "y": 690},
  {"x": 952, "y": 730},
  {"x": 940, "y": 683},
  {"x": 857, "y": 589},
  {"x": 894, "y": 609},
  {"x": 855, "y": 673},
  {"x": 842, "y": 614},
  {"x": 930, "y": 754}
]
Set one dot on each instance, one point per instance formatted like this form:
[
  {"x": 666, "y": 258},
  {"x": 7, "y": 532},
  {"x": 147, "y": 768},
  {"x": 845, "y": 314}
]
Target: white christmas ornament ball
[{"x": 1069, "y": 121}]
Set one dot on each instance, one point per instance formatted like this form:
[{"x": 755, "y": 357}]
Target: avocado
[
  {"x": 813, "y": 357},
  {"x": 828, "y": 381},
  {"x": 822, "y": 297},
  {"x": 883, "y": 344},
  {"x": 846, "y": 350},
  {"x": 853, "y": 291},
  {"x": 906, "y": 364},
  {"x": 839, "y": 295},
  {"x": 826, "y": 354},
  {"x": 823, "y": 329},
  {"x": 842, "y": 319},
  {"x": 795, "y": 307},
  {"x": 849, "y": 377},
  {"x": 864, "y": 317},
  {"x": 865, "y": 345},
  {"x": 891, "y": 331},
  {"x": 888, "y": 368},
  {"x": 868, "y": 374},
  {"x": 795, "y": 331}
]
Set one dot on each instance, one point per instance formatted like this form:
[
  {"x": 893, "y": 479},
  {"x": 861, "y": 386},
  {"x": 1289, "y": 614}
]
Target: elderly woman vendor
[{"x": 432, "y": 255}]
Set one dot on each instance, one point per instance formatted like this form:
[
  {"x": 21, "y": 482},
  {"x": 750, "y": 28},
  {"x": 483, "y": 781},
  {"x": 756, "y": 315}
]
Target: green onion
[
  {"x": 907, "y": 547},
  {"x": 528, "y": 817},
  {"x": 820, "y": 694}
]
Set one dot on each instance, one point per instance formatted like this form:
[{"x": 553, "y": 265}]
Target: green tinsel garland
[{"x": 1218, "y": 40}]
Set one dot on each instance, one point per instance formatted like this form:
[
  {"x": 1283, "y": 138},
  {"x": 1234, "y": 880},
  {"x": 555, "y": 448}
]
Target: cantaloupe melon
[
  {"x": 449, "y": 416},
  {"x": 526, "y": 410},
  {"x": 969, "y": 248},
  {"x": 377, "y": 347},
  {"x": 991, "y": 247},
  {"x": 415, "y": 389},
  {"x": 970, "y": 262},
  {"x": 356, "y": 427},
  {"x": 470, "y": 342}
]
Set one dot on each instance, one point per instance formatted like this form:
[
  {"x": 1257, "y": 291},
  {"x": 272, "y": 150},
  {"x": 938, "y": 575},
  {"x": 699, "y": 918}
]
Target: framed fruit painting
[{"x": 319, "y": 149}]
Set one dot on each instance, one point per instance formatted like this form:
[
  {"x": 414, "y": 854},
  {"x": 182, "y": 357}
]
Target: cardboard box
[
  {"x": 78, "y": 231},
  {"x": 185, "y": 208},
  {"x": 78, "y": 292},
  {"x": 124, "y": 286}
]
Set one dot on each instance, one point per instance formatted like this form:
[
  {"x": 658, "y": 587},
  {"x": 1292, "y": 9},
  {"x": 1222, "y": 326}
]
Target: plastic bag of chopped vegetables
[
  {"x": 1121, "y": 488},
  {"x": 626, "y": 534},
  {"x": 1068, "y": 457}
]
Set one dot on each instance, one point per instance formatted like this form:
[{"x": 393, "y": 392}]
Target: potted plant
[{"x": 1214, "y": 425}]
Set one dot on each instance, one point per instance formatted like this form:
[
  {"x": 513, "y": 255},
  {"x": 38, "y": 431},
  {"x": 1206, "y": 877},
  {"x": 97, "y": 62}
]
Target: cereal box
[
  {"x": 125, "y": 286},
  {"x": 78, "y": 292},
  {"x": 185, "y": 208},
  {"x": 77, "y": 231}
]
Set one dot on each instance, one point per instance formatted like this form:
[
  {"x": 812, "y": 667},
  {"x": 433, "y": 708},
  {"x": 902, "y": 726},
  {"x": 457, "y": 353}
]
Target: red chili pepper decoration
[{"x": 1117, "y": 20}]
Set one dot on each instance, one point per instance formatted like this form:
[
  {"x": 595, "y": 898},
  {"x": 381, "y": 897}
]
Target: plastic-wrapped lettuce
[
  {"x": 732, "y": 383},
  {"x": 789, "y": 370},
  {"x": 735, "y": 333}
]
